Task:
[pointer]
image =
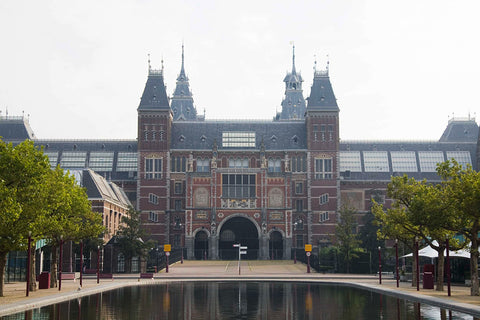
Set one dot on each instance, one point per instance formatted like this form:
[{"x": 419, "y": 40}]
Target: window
[
  {"x": 376, "y": 161},
  {"x": 350, "y": 160},
  {"x": 322, "y": 132},
  {"x": 73, "y": 160},
  {"x": 177, "y": 241},
  {"x": 203, "y": 165},
  {"x": 324, "y": 198},
  {"x": 238, "y": 186},
  {"x": 238, "y": 163},
  {"x": 178, "y": 164},
  {"x": 127, "y": 161},
  {"x": 178, "y": 187},
  {"x": 274, "y": 165},
  {"x": 239, "y": 139},
  {"x": 298, "y": 188},
  {"x": 429, "y": 160},
  {"x": 298, "y": 224},
  {"x": 330, "y": 132},
  {"x": 299, "y": 164},
  {"x": 323, "y": 216},
  {"x": 153, "y": 168},
  {"x": 403, "y": 161},
  {"x": 101, "y": 161},
  {"x": 52, "y": 158},
  {"x": 178, "y": 205},
  {"x": 323, "y": 168},
  {"x": 152, "y": 216},
  {"x": 153, "y": 198},
  {"x": 299, "y": 205},
  {"x": 462, "y": 157}
]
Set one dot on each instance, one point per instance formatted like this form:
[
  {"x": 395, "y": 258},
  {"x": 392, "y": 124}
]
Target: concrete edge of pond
[{"x": 36, "y": 303}]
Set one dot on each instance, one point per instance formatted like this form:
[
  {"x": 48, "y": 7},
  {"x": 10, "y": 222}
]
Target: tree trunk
[
  {"x": 414, "y": 266},
  {"x": 474, "y": 290},
  {"x": 33, "y": 278},
  {"x": 440, "y": 268},
  {"x": 3, "y": 263},
  {"x": 53, "y": 268}
]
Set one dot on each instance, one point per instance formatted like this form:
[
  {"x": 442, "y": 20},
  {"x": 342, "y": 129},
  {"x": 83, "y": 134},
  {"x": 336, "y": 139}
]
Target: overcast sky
[{"x": 399, "y": 69}]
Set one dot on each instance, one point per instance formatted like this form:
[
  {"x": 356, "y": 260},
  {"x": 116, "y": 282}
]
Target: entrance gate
[
  {"x": 238, "y": 230},
  {"x": 276, "y": 246},
  {"x": 201, "y": 245}
]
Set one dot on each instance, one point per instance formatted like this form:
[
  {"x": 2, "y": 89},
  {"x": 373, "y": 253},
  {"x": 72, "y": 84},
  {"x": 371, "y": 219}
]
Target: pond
[{"x": 239, "y": 300}]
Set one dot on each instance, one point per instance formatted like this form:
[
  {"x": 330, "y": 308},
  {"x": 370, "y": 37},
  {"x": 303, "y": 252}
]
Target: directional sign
[
  {"x": 243, "y": 248},
  {"x": 236, "y": 245},
  {"x": 243, "y": 252}
]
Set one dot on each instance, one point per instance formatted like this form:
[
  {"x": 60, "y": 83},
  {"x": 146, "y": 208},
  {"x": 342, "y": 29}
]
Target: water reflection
[{"x": 239, "y": 300}]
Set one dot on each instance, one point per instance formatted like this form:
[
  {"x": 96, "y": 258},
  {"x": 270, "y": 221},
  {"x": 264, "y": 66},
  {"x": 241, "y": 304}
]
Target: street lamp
[
  {"x": 380, "y": 264},
  {"x": 29, "y": 261},
  {"x": 60, "y": 264},
  {"x": 98, "y": 264},
  {"x": 396, "y": 262},
  {"x": 156, "y": 267}
]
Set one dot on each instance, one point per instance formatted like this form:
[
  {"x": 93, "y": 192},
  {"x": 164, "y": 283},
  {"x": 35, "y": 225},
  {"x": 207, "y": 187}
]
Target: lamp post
[
  {"x": 156, "y": 266},
  {"x": 98, "y": 264},
  {"x": 379, "y": 265},
  {"x": 447, "y": 242},
  {"x": 417, "y": 265},
  {"x": 60, "y": 264},
  {"x": 396, "y": 262},
  {"x": 29, "y": 261},
  {"x": 81, "y": 263}
]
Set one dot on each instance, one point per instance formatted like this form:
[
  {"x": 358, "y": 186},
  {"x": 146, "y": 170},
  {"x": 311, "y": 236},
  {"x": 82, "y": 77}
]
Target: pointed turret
[
  {"x": 322, "y": 97},
  {"x": 154, "y": 95},
  {"x": 293, "y": 105},
  {"x": 182, "y": 100}
]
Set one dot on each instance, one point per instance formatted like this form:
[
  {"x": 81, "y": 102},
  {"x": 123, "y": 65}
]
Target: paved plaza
[{"x": 16, "y": 301}]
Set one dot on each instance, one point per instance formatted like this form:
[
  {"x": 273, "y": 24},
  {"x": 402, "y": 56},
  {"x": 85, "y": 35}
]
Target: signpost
[
  {"x": 241, "y": 250},
  {"x": 167, "y": 248},
  {"x": 308, "y": 250}
]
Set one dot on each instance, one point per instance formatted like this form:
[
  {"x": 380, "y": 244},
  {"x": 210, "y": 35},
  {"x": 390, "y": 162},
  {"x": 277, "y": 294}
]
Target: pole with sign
[
  {"x": 241, "y": 250},
  {"x": 167, "y": 248},
  {"x": 308, "y": 250}
]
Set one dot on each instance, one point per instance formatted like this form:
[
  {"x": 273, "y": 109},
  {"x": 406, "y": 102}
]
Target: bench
[
  {"x": 146, "y": 275},
  {"x": 68, "y": 275},
  {"x": 90, "y": 271},
  {"x": 105, "y": 276}
]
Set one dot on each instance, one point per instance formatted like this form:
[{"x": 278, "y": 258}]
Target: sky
[{"x": 400, "y": 70}]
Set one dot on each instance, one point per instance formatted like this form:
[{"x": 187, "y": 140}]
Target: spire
[
  {"x": 154, "y": 95},
  {"x": 293, "y": 105},
  {"x": 293, "y": 60},
  {"x": 182, "y": 76},
  {"x": 182, "y": 100},
  {"x": 322, "y": 97}
]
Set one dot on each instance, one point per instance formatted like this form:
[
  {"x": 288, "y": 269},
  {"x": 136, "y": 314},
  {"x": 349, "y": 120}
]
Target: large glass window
[
  {"x": 238, "y": 186},
  {"x": 323, "y": 168},
  {"x": 274, "y": 165},
  {"x": 239, "y": 139},
  {"x": 178, "y": 164},
  {"x": 101, "y": 161},
  {"x": 203, "y": 165},
  {"x": 127, "y": 161},
  {"x": 375, "y": 161},
  {"x": 429, "y": 160},
  {"x": 404, "y": 161},
  {"x": 299, "y": 164},
  {"x": 462, "y": 157},
  {"x": 73, "y": 160},
  {"x": 238, "y": 163},
  {"x": 350, "y": 160},
  {"x": 52, "y": 158},
  {"x": 153, "y": 168}
]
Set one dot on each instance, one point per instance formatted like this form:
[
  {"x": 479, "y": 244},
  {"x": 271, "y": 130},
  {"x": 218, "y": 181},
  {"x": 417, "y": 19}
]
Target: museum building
[{"x": 271, "y": 185}]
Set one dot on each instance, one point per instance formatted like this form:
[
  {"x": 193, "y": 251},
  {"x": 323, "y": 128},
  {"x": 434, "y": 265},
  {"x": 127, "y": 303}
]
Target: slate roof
[
  {"x": 321, "y": 96},
  {"x": 154, "y": 95},
  {"x": 460, "y": 130},
  {"x": 98, "y": 187},
  {"x": 15, "y": 129},
  {"x": 277, "y": 135}
]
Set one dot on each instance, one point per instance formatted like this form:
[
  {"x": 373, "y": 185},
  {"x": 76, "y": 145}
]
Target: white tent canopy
[{"x": 429, "y": 252}]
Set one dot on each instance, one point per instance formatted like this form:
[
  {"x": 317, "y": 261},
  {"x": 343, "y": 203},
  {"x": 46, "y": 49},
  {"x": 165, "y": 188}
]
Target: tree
[
  {"x": 462, "y": 187},
  {"x": 22, "y": 172},
  {"x": 130, "y": 238},
  {"x": 348, "y": 242}
]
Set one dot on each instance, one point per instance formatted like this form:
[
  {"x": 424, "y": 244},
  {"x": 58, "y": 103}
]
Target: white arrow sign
[
  {"x": 243, "y": 248},
  {"x": 243, "y": 252}
]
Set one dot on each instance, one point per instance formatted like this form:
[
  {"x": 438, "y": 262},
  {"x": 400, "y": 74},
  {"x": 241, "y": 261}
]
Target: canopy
[{"x": 429, "y": 252}]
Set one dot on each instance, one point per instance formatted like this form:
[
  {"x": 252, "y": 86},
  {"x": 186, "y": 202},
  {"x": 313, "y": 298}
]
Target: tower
[
  {"x": 182, "y": 100},
  {"x": 322, "y": 125},
  {"x": 293, "y": 105},
  {"x": 154, "y": 130}
]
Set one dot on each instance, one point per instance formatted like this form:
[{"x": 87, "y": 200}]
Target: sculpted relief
[
  {"x": 200, "y": 197},
  {"x": 275, "y": 198}
]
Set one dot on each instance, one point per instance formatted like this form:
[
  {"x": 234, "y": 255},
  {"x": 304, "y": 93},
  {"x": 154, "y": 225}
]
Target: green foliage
[
  {"x": 345, "y": 232},
  {"x": 130, "y": 237}
]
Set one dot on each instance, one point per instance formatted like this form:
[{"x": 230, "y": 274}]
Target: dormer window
[
  {"x": 203, "y": 138},
  {"x": 273, "y": 138},
  {"x": 181, "y": 138}
]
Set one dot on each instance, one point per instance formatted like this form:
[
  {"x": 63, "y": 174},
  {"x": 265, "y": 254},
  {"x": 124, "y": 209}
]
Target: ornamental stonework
[
  {"x": 275, "y": 198},
  {"x": 200, "y": 197}
]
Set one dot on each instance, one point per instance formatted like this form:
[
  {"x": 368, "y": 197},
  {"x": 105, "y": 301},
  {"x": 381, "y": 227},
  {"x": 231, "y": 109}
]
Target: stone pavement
[{"x": 14, "y": 299}]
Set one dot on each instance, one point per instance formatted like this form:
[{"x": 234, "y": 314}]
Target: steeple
[
  {"x": 322, "y": 97},
  {"x": 182, "y": 100},
  {"x": 154, "y": 95},
  {"x": 293, "y": 105}
]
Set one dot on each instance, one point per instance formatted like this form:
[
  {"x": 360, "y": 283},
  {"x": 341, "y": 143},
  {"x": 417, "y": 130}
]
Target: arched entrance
[
  {"x": 238, "y": 230},
  {"x": 276, "y": 245},
  {"x": 201, "y": 245}
]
